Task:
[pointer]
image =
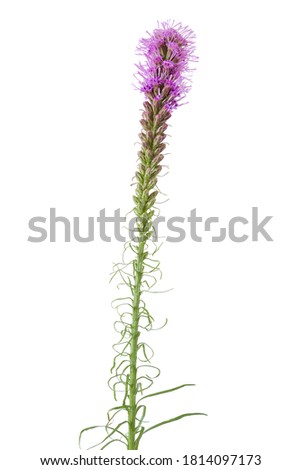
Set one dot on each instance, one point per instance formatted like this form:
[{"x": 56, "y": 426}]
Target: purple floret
[{"x": 165, "y": 73}]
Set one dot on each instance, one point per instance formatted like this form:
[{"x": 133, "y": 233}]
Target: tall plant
[{"x": 164, "y": 78}]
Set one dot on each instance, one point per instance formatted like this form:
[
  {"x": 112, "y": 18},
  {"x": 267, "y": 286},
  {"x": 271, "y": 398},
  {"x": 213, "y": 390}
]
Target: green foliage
[{"x": 132, "y": 372}]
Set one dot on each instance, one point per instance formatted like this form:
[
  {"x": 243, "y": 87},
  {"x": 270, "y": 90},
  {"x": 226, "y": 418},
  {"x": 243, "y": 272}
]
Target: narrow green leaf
[
  {"x": 86, "y": 429},
  {"x": 140, "y": 421},
  {"x": 125, "y": 407},
  {"x": 173, "y": 419},
  {"x": 165, "y": 391},
  {"x": 111, "y": 434},
  {"x": 139, "y": 438},
  {"x": 111, "y": 442}
]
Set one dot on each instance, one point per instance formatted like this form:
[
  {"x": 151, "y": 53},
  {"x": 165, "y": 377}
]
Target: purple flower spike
[{"x": 165, "y": 74}]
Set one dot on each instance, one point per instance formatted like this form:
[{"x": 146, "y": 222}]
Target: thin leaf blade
[
  {"x": 165, "y": 391},
  {"x": 174, "y": 419}
]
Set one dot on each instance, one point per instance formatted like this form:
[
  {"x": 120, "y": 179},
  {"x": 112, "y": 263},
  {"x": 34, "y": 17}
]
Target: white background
[{"x": 69, "y": 122}]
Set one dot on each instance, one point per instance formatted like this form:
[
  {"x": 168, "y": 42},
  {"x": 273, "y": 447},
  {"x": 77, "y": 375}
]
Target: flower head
[{"x": 164, "y": 74}]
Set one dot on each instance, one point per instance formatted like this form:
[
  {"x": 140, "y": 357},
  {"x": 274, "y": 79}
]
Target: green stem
[
  {"x": 134, "y": 345},
  {"x": 152, "y": 137}
]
